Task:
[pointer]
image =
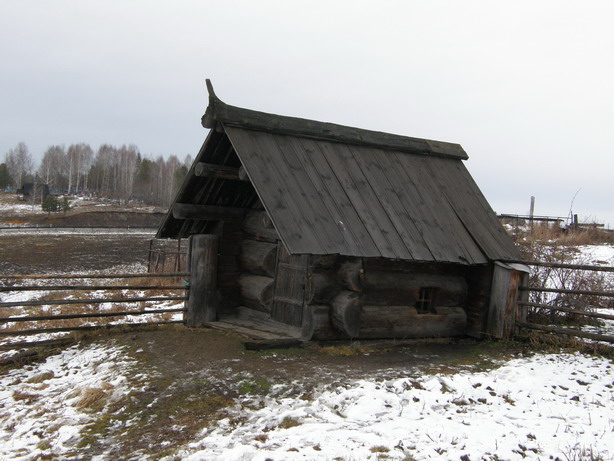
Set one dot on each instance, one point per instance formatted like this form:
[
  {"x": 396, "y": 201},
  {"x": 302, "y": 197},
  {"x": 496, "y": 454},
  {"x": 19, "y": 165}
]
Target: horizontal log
[
  {"x": 317, "y": 324},
  {"x": 256, "y": 291},
  {"x": 320, "y": 289},
  {"x": 91, "y": 301},
  {"x": 567, "y": 331},
  {"x": 208, "y": 212},
  {"x": 405, "y": 322},
  {"x": 345, "y": 313},
  {"x": 397, "y": 288},
  {"x": 258, "y": 257},
  {"x": 605, "y": 294},
  {"x": 209, "y": 170},
  {"x": 259, "y": 225},
  {"x": 350, "y": 274},
  {"x": 86, "y": 316}
]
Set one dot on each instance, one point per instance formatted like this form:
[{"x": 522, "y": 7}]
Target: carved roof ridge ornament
[{"x": 220, "y": 112}]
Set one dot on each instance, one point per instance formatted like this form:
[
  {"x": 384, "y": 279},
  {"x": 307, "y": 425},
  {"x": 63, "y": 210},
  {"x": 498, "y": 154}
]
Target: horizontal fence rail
[
  {"x": 582, "y": 267},
  {"x": 568, "y": 331},
  {"x": 608, "y": 294},
  {"x": 125, "y": 299},
  {"x": 92, "y": 301},
  {"x": 568, "y": 310},
  {"x": 575, "y": 302},
  {"x": 91, "y": 287},
  {"x": 94, "y": 276},
  {"x": 107, "y": 326}
]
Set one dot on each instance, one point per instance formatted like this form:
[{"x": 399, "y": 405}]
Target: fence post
[{"x": 202, "y": 299}]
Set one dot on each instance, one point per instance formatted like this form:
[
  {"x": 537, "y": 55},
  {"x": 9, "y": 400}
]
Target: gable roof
[{"x": 331, "y": 189}]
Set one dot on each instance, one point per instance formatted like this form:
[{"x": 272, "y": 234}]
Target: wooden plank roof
[{"x": 330, "y": 189}]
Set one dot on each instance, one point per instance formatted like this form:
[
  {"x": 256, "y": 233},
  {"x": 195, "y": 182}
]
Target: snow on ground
[
  {"x": 547, "y": 406},
  {"x": 18, "y": 209},
  {"x": 600, "y": 255},
  {"x": 44, "y": 406},
  {"x": 542, "y": 407}
]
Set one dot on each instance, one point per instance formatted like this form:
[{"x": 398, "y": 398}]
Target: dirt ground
[
  {"x": 196, "y": 376},
  {"x": 43, "y": 253}
]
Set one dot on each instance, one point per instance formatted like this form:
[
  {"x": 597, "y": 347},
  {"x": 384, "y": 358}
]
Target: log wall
[{"x": 347, "y": 297}]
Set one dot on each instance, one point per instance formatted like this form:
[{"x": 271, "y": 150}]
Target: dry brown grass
[
  {"x": 550, "y": 244},
  {"x": 41, "y": 377}
]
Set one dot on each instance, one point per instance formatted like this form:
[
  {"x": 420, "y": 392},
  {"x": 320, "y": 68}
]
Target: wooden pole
[{"x": 202, "y": 301}]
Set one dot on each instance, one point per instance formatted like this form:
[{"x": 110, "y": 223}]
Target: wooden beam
[
  {"x": 209, "y": 170},
  {"x": 219, "y": 112},
  {"x": 203, "y": 299},
  {"x": 208, "y": 212}
]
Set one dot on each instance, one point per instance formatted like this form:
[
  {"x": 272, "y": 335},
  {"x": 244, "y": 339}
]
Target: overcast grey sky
[{"x": 526, "y": 87}]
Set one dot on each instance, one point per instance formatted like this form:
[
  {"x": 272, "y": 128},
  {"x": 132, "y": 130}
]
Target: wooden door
[{"x": 289, "y": 290}]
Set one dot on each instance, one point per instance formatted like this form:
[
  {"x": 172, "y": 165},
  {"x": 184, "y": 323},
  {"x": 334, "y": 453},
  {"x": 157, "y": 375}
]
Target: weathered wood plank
[
  {"x": 202, "y": 302},
  {"x": 289, "y": 292},
  {"x": 207, "y": 212},
  {"x": 448, "y": 239},
  {"x": 346, "y": 219},
  {"x": 472, "y": 209},
  {"x": 314, "y": 209},
  {"x": 364, "y": 200},
  {"x": 261, "y": 158},
  {"x": 266, "y": 344},
  {"x": 380, "y": 173}
]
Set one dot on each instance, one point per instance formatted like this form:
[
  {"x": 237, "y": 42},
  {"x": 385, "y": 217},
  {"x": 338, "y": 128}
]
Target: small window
[{"x": 426, "y": 301}]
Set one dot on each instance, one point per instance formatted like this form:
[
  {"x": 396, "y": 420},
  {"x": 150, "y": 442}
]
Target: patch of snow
[
  {"x": 539, "y": 407},
  {"x": 43, "y": 407}
]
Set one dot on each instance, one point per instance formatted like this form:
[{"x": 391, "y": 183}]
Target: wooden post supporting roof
[{"x": 202, "y": 302}]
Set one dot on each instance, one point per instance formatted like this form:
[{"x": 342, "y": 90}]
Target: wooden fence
[
  {"x": 170, "y": 286},
  {"x": 575, "y": 305},
  {"x": 167, "y": 255}
]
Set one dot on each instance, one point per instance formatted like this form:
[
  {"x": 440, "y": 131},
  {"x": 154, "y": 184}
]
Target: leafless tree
[
  {"x": 53, "y": 167},
  {"x": 19, "y": 163},
  {"x": 79, "y": 161}
]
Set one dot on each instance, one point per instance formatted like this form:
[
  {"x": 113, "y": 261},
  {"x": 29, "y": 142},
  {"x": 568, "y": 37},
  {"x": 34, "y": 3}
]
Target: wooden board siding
[
  {"x": 332, "y": 198},
  {"x": 289, "y": 288}
]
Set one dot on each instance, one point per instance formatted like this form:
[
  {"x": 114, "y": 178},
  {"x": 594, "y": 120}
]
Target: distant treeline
[{"x": 112, "y": 172}]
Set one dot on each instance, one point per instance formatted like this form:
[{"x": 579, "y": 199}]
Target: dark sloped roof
[{"x": 331, "y": 189}]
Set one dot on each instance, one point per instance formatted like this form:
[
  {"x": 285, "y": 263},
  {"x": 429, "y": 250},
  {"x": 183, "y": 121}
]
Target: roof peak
[{"x": 227, "y": 115}]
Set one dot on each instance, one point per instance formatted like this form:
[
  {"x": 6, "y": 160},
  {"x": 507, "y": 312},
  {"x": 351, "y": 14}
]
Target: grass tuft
[{"x": 289, "y": 422}]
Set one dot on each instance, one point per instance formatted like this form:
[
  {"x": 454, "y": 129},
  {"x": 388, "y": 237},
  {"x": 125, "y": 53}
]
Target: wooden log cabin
[{"x": 321, "y": 231}]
